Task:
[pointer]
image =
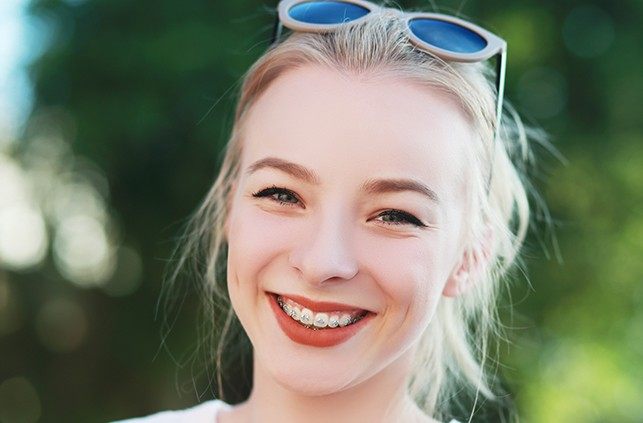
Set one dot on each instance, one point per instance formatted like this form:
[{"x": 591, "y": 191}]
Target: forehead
[{"x": 350, "y": 127}]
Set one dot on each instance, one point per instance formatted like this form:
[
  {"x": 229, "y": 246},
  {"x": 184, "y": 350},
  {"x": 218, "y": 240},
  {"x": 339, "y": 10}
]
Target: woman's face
[{"x": 349, "y": 204}]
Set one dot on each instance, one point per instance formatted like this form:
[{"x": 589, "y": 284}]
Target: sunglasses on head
[{"x": 446, "y": 37}]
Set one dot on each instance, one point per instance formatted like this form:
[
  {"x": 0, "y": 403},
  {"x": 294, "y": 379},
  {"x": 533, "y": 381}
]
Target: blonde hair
[{"x": 453, "y": 353}]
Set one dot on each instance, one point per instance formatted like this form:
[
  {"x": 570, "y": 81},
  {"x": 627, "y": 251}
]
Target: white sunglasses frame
[{"x": 495, "y": 45}]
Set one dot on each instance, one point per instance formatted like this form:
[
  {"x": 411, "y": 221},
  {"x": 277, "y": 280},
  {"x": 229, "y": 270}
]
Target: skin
[{"x": 332, "y": 240}]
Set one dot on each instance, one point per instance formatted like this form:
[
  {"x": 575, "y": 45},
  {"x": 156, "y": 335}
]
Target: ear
[
  {"x": 460, "y": 280},
  {"x": 473, "y": 263}
]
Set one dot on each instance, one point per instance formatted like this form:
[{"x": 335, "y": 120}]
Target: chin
[{"x": 307, "y": 378}]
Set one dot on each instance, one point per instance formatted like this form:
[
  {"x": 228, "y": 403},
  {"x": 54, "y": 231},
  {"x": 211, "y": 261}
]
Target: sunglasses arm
[
  {"x": 276, "y": 32},
  {"x": 501, "y": 66}
]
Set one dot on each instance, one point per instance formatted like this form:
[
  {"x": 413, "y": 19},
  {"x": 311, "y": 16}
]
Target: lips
[
  {"x": 317, "y": 338},
  {"x": 321, "y": 306}
]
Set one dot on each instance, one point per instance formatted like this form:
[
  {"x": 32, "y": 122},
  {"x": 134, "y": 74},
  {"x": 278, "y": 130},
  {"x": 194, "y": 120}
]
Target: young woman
[{"x": 365, "y": 213}]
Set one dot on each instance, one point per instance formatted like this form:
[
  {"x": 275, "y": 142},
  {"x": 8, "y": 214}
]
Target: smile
[
  {"x": 319, "y": 320},
  {"x": 317, "y": 324}
]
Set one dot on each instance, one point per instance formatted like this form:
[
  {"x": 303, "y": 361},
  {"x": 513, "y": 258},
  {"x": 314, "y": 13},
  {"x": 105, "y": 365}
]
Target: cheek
[
  {"x": 412, "y": 274},
  {"x": 256, "y": 238},
  {"x": 253, "y": 243}
]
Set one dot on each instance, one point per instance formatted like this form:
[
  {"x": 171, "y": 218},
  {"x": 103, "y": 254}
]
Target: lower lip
[{"x": 314, "y": 338}]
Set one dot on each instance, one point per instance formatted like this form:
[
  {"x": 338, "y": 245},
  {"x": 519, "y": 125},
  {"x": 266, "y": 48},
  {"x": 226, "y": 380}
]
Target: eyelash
[{"x": 273, "y": 193}]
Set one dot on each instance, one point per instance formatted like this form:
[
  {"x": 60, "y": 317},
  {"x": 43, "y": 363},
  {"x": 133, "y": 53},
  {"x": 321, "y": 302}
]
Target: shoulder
[{"x": 204, "y": 412}]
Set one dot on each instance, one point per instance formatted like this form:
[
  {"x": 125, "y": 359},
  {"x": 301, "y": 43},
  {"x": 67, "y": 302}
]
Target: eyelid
[
  {"x": 408, "y": 219},
  {"x": 270, "y": 191}
]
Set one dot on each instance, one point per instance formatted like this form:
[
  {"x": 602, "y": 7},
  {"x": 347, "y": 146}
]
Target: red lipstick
[
  {"x": 316, "y": 337},
  {"x": 321, "y": 305}
]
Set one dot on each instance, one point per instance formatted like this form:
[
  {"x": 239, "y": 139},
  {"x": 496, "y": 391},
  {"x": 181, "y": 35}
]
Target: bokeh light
[
  {"x": 542, "y": 92},
  {"x": 75, "y": 198},
  {"x": 14, "y": 187},
  {"x": 52, "y": 191},
  {"x": 19, "y": 401},
  {"x": 61, "y": 324},
  {"x": 23, "y": 237},
  {"x": 82, "y": 251},
  {"x": 588, "y": 31}
]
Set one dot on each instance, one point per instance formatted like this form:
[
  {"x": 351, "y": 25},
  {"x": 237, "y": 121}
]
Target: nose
[{"x": 325, "y": 253}]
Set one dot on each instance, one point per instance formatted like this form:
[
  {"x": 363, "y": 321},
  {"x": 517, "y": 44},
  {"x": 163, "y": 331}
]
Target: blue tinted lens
[
  {"x": 326, "y": 12},
  {"x": 447, "y": 35}
]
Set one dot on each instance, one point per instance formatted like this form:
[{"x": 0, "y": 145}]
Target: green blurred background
[{"x": 132, "y": 101}]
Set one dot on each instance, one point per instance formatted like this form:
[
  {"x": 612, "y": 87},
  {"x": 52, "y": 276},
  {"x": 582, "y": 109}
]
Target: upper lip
[{"x": 321, "y": 305}]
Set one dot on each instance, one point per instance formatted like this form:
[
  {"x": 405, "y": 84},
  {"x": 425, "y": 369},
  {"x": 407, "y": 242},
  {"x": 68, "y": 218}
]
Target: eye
[
  {"x": 399, "y": 217},
  {"x": 283, "y": 196}
]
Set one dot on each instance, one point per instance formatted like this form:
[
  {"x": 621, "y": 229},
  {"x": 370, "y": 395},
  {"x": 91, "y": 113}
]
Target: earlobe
[
  {"x": 473, "y": 265},
  {"x": 457, "y": 283}
]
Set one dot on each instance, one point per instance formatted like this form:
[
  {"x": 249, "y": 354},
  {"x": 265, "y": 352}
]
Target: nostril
[{"x": 326, "y": 253}]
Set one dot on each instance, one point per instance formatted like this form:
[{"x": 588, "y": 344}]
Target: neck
[{"x": 381, "y": 398}]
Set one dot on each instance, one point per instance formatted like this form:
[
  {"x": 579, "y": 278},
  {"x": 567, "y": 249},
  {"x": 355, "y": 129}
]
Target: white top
[{"x": 202, "y": 413}]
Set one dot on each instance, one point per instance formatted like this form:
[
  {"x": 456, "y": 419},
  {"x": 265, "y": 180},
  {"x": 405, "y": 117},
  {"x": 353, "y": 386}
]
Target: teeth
[
  {"x": 333, "y": 321},
  {"x": 306, "y": 316},
  {"x": 314, "y": 320},
  {"x": 295, "y": 313},
  {"x": 344, "y": 320},
  {"x": 321, "y": 320}
]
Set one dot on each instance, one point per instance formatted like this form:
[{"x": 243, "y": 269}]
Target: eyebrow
[
  {"x": 293, "y": 169},
  {"x": 372, "y": 186},
  {"x": 381, "y": 186}
]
